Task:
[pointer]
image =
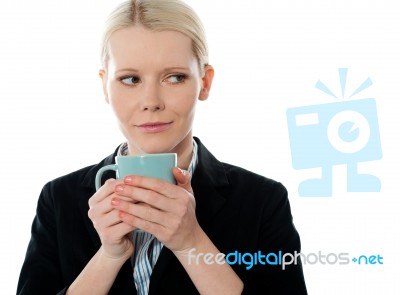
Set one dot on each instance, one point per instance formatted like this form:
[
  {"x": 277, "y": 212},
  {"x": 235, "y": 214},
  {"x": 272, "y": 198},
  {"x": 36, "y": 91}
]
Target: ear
[
  {"x": 103, "y": 76},
  {"x": 206, "y": 82}
]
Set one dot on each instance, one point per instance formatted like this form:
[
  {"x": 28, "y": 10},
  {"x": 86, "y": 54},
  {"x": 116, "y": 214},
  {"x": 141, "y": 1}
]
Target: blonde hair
[{"x": 157, "y": 15}]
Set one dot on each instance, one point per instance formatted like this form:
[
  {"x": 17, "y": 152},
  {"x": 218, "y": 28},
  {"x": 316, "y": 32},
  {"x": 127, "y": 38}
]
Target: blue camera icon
[{"x": 324, "y": 135}]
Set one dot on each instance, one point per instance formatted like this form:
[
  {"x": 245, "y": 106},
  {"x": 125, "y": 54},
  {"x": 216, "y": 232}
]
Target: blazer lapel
[{"x": 208, "y": 182}]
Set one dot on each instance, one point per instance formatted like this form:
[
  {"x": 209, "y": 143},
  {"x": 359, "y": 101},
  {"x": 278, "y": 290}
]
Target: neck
[{"x": 185, "y": 152}]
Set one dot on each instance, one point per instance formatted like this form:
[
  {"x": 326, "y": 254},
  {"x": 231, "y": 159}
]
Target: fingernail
[
  {"x": 182, "y": 171},
  {"x": 114, "y": 202},
  {"x": 119, "y": 188},
  {"x": 128, "y": 179}
]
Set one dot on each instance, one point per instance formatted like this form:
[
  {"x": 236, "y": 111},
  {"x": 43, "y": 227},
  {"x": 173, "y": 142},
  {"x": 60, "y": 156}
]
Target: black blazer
[{"x": 239, "y": 210}]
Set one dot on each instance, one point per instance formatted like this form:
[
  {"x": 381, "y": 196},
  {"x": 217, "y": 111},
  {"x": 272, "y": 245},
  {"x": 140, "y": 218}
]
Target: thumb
[{"x": 182, "y": 178}]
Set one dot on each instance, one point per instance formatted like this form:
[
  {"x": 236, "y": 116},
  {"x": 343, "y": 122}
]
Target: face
[{"x": 152, "y": 83}]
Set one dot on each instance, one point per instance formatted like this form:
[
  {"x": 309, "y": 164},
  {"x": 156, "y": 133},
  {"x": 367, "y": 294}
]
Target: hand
[
  {"x": 165, "y": 210},
  {"x": 113, "y": 233}
]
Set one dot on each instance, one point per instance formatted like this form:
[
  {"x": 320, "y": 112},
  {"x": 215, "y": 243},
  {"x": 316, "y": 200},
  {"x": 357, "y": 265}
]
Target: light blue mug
[{"x": 152, "y": 165}]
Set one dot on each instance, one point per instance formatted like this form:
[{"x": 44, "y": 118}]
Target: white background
[{"x": 268, "y": 56}]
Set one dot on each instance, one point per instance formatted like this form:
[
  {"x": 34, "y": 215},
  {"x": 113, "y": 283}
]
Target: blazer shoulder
[
  {"x": 72, "y": 178},
  {"x": 256, "y": 190},
  {"x": 73, "y": 182},
  {"x": 239, "y": 175}
]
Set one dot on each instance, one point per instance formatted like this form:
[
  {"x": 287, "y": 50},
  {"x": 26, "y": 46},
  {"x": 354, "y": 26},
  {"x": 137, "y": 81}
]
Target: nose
[{"x": 151, "y": 99}]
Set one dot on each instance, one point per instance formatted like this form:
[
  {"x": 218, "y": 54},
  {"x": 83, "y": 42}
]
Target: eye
[
  {"x": 130, "y": 80},
  {"x": 176, "y": 78}
]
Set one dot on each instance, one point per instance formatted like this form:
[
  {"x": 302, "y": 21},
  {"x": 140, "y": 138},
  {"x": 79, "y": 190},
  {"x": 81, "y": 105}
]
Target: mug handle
[{"x": 99, "y": 173}]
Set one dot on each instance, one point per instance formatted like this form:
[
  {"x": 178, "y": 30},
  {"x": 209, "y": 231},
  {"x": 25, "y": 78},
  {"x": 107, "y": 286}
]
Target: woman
[{"x": 155, "y": 69}]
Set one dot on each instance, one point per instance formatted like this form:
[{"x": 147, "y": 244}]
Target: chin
[
  {"x": 152, "y": 148},
  {"x": 163, "y": 143}
]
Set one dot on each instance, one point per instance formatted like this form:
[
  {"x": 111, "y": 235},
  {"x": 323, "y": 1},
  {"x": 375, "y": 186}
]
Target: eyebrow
[
  {"x": 126, "y": 70},
  {"x": 176, "y": 68},
  {"x": 165, "y": 69}
]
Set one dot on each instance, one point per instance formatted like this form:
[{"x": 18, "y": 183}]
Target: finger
[
  {"x": 121, "y": 229},
  {"x": 110, "y": 227},
  {"x": 143, "y": 224},
  {"x": 99, "y": 209},
  {"x": 142, "y": 211},
  {"x": 104, "y": 191},
  {"x": 116, "y": 233},
  {"x": 182, "y": 178},
  {"x": 157, "y": 185},
  {"x": 103, "y": 220},
  {"x": 139, "y": 195}
]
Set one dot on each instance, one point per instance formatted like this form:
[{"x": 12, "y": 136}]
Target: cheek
[
  {"x": 122, "y": 107},
  {"x": 186, "y": 99},
  {"x": 185, "y": 106}
]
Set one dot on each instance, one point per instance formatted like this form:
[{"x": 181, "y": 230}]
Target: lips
[{"x": 154, "y": 127}]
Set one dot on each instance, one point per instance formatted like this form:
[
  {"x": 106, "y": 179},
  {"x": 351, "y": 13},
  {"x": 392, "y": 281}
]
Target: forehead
[{"x": 137, "y": 46}]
